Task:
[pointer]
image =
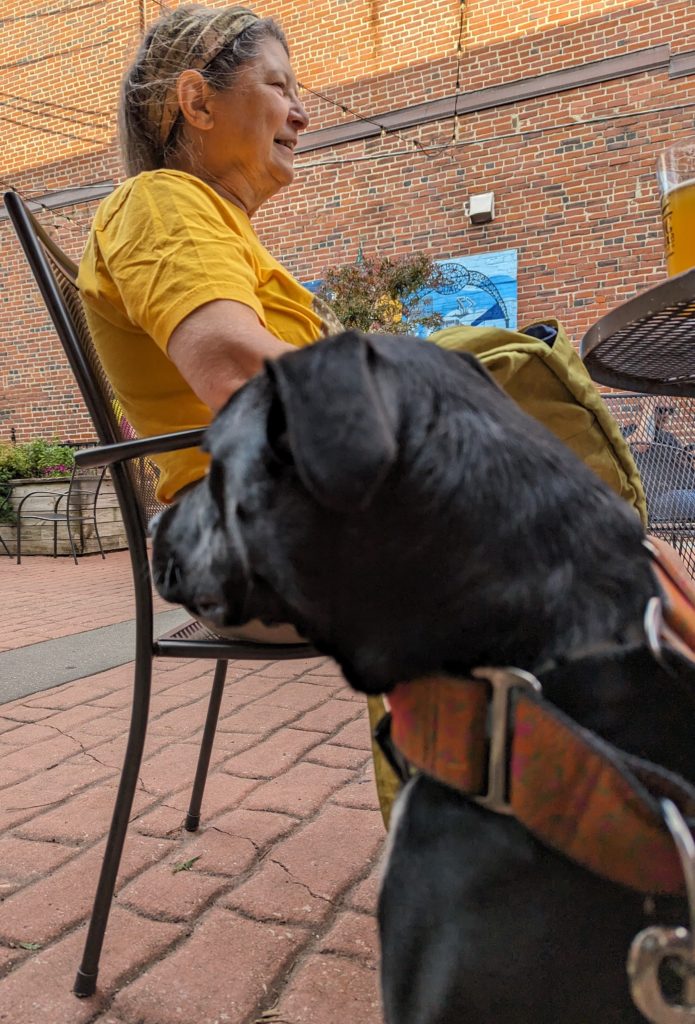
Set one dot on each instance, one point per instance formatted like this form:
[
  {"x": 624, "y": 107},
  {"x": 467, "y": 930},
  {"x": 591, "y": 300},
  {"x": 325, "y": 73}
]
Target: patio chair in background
[
  {"x": 660, "y": 431},
  {"x": 55, "y": 275},
  {"x": 75, "y": 507}
]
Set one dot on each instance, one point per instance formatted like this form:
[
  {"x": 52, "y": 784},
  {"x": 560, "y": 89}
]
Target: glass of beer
[{"x": 676, "y": 173}]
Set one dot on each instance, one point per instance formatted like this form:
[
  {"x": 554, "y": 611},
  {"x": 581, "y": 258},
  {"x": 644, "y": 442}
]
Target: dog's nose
[{"x": 208, "y": 606}]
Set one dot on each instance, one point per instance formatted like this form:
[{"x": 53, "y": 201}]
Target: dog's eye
[
  {"x": 241, "y": 513},
  {"x": 216, "y": 482}
]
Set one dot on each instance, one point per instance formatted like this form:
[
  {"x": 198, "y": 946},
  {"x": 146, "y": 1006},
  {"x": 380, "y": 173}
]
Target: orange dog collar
[{"x": 496, "y": 739}]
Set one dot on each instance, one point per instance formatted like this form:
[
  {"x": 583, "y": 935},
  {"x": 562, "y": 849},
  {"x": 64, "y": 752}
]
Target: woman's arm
[{"x": 219, "y": 346}]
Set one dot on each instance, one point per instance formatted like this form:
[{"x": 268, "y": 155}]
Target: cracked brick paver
[{"x": 267, "y": 913}]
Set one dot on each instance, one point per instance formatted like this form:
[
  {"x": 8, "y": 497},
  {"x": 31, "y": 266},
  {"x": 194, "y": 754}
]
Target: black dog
[{"x": 390, "y": 501}]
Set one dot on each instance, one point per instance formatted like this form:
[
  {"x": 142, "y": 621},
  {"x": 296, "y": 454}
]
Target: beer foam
[{"x": 689, "y": 183}]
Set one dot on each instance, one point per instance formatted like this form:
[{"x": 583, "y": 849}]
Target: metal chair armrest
[
  {"x": 42, "y": 494},
  {"x": 108, "y": 454}
]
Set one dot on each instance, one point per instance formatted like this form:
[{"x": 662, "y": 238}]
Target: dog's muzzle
[{"x": 200, "y": 564}]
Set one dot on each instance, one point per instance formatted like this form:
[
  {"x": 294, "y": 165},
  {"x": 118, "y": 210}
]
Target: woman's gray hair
[{"x": 216, "y": 42}]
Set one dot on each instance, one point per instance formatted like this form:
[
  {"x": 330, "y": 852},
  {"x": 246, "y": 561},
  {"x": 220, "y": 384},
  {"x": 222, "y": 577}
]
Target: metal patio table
[{"x": 647, "y": 344}]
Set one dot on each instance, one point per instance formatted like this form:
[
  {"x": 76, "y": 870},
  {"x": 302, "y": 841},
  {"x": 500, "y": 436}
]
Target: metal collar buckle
[
  {"x": 503, "y": 681},
  {"x": 653, "y": 625},
  {"x": 654, "y": 945}
]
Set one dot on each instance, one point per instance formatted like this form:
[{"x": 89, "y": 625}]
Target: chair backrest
[
  {"x": 660, "y": 431},
  {"x": 56, "y": 275},
  {"x": 84, "y": 490}
]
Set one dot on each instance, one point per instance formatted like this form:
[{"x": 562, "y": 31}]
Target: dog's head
[{"x": 388, "y": 499}]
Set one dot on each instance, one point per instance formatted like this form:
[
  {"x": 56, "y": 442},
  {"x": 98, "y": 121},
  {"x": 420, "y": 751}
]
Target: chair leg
[
  {"x": 70, "y": 538},
  {"x": 201, "y": 774},
  {"x": 19, "y": 540},
  {"x": 86, "y": 980},
  {"x": 96, "y": 531}
]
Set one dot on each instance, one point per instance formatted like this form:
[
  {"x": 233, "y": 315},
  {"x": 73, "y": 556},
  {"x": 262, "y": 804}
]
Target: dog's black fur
[{"x": 390, "y": 501}]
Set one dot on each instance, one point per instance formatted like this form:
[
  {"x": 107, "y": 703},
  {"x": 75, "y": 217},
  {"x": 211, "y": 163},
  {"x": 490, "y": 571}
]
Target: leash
[{"x": 493, "y": 737}]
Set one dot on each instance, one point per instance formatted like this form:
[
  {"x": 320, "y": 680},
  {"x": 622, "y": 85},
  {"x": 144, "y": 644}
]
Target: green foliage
[
  {"x": 35, "y": 459},
  {"x": 31, "y": 460},
  {"x": 7, "y": 513},
  {"x": 384, "y": 294}
]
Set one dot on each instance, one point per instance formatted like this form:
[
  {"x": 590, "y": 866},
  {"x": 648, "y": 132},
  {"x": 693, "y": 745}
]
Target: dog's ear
[
  {"x": 475, "y": 364},
  {"x": 340, "y": 426}
]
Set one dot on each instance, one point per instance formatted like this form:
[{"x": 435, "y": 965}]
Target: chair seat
[
  {"x": 49, "y": 517},
  {"x": 193, "y": 639}
]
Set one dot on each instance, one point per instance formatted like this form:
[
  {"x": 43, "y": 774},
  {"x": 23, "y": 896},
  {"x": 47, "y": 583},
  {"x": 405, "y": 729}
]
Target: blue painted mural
[{"x": 478, "y": 290}]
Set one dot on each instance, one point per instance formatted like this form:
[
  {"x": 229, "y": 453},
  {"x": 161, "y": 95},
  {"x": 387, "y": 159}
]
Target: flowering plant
[
  {"x": 383, "y": 293},
  {"x": 33, "y": 459}
]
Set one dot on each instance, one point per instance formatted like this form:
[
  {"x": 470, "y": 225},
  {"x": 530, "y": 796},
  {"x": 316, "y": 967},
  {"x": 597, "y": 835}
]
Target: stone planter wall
[{"x": 37, "y": 537}]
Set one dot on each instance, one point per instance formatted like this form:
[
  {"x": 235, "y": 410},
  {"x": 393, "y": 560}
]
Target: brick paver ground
[
  {"x": 265, "y": 915},
  {"x": 35, "y": 595}
]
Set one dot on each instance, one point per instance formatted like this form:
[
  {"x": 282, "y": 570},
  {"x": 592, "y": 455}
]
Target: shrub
[
  {"x": 383, "y": 294},
  {"x": 35, "y": 459},
  {"x": 26, "y": 461}
]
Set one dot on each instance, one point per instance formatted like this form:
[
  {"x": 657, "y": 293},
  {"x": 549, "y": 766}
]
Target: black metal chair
[
  {"x": 660, "y": 431},
  {"x": 55, "y": 275},
  {"x": 76, "y": 508}
]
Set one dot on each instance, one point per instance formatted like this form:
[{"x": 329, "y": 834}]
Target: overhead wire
[
  {"x": 54, "y": 103},
  {"x": 50, "y": 131},
  {"x": 480, "y": 141},
  {"x": 48, "y": 12},
  {"x": 52, "y": 11},
  {"x": 29, "y": 61},
  {"x": 46, "y": 114},
  {"x": 432, "y": 151},
  {"x": 54, "y": 211},
  {"x": 385, "y": 130},
  {"x": 457, "y": 89},
  {"x": 345, "y": 109}
]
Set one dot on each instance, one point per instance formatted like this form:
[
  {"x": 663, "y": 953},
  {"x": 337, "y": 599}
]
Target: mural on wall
[{"x": 480, "y": 291}]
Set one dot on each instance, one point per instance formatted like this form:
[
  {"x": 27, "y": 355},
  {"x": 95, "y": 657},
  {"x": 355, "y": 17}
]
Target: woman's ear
[{"x": 193, "y": 94}]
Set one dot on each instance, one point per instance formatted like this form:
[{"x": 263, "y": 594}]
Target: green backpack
[{"x": 542, "y": 372}]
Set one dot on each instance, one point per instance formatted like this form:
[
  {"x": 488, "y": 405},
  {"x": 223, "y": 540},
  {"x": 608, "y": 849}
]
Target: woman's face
[{"x": 249, "y": 148}]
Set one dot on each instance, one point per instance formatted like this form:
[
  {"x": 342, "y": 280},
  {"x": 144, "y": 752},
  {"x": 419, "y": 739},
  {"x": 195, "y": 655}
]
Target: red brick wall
[{"x": 573, "y": 173}]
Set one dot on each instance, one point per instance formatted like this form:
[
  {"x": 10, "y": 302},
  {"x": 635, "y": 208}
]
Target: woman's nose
[{"x": 298, "y": 115}]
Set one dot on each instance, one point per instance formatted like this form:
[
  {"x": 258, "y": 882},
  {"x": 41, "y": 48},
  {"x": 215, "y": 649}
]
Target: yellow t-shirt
[{"x": 163, "y": 244}]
